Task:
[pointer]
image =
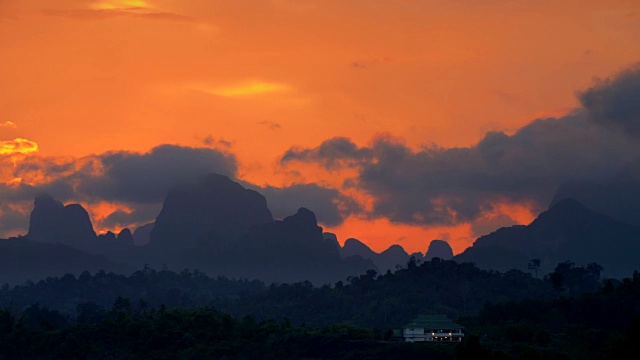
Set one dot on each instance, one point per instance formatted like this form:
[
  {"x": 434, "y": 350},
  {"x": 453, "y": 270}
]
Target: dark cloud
[
  {"x": 21, "y": 192},
  {"x": 140, "y": 181},
  {"x": 137, "y": 180},
  {"x": 12, "y": 219},
  {"x": 210, "y": 140},
  {"x": 448, "y": 186},
  {"x": 430, "y": 186},
  {"x": 615, "y": 102},
  {"x": 146, "y": 178},
  {"x": 333, "y": 153},
  {"x": 143, "y": 213},
  {"x": 271, "y": 124},
  {"x": 485, "y": 226},
  {"x": 329, "y": 205}
]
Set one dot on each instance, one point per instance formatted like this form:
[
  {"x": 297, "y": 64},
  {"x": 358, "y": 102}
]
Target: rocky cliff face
[
  {"x": 353, "y": 247},
  {"x": 567, "y": 231},
  {"x": 214, "y": 209},
  {"x": 125, "y": 237},
  {"x": 439, "y": 249},
  {"x": 222, "y": 228},
  {"x": 293, "y": 249},
  {"x": 142, "y": 234},
  {"x": 296, "y": 239},
  {"x": 618, "y": 198},
  {"x": 216, "y": 226},
  {"x": 53, "y": 222},
  {"x": 389, "y": 259}
]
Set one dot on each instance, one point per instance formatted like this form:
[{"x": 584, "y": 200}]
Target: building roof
[{"x": 432, "y": 322}]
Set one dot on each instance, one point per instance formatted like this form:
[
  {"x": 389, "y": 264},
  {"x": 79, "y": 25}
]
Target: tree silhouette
[
  {"x": 534, "y": 265},
  {"x": 557, "y": 281}
]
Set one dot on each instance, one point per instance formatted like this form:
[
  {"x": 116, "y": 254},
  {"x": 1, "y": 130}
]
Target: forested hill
[
  {"x": 565, "y": 315},
  {"x": 603, "y": 324},
  {"x": 378, "y": 301},
  {"x": 146, "y": 288},
  {"x": 393, "y": 299},
  {"x": 595, "y": 326}
]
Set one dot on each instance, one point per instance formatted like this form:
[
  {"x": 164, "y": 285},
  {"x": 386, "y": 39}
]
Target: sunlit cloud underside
[
  {"x": 18, "y": 146},
  {"x": 246, "y": 89},
  {"x": 119, "y": 4}
]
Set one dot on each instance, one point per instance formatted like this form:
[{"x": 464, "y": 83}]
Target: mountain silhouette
[
  {"x": 125, "y": 237},
  {"x": 393, "y": 256},
  {"x": 107, "y": 237},
  {"x": 214, "y": 225},
  {"x": 221, "y": 228},
  {"x": 354, "y": 247},
  {"x": 440, "y": 249},
  {"x": 389, "y": 259},
  {"x": 52, "y": 222},
  {"x": 142, "y": 234},
  {"x": 567, "y": 231},
  {"x": 332, "y": 238},
  {"x": 618, "y": 198},
  {"x": 23, "y": 259},
  {"x": 215, "y": 209},
  {"x": 294, "y": 249}
]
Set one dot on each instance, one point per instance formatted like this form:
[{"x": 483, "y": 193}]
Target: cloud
[
  {"x": 209, "y": 140},
  {"x": 8, "y": 124},
  {"x": 18, "y": 146},
  {"x": 135, "y": 184},
  {"x": 22, "y": 192},
  {"x": 119, "y": 4},
  {"x": 615, "y": 102},
  {"x": 484, "y": 225},
  {"x": 330, "y": 206},
  {"x": 100, "y": 10},
  {"x": 137, "y": 181},
  {"x": 246, "y": 89},
  {"x": 143, "y": 213},
  {"x": 448, "y": 186},
  {"x": 271, "y": 125},
  {"x": 12, "y": 219},
  {"x": 120, "y": 175},
  {"x": 426, "y": 186},
  {"x": 366, "y": 64},
  {"x": 359, "y": 65},
  {"x": 89, "y": 14},
  {"x": 146, "y": 178},
  {"x": 333, "y": 153}
]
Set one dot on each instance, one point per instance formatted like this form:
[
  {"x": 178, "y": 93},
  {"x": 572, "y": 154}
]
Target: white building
[{"x": 432, "y": 328}]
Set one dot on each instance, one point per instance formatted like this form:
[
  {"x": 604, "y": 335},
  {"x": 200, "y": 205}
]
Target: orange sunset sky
[{"x": 266, "y": 83}]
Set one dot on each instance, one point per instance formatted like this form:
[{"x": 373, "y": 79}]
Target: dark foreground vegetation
[
  {"x": 569, "y": 314},
  {"x": 201, "y": 333},
  {"x": 369, "y": 300}
]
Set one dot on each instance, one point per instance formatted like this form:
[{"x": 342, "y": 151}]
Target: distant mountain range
[
  {"x": 618, "y": 198},
  {"x": 219, "y": 227},
  {"x": 395, "y": 255},
  {"x": 568, "y": 231},
  {"x": 22, "y": 259},
  {"x": 215, "y": 225}
]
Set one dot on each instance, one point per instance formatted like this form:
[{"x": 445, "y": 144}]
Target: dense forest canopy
[
  {"x": 374, "y": 300},
  {"x": 505, "y": 315}
]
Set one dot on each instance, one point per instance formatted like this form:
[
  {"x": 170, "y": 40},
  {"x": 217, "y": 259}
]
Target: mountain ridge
[{"x": 566, "y": 231}]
